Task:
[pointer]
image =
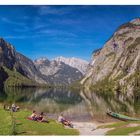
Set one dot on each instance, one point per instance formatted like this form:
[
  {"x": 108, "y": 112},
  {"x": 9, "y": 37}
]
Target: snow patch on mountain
[{"x": 77, "y": 63}]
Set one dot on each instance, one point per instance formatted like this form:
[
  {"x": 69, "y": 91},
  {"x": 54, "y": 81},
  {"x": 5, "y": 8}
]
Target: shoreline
[
  {"x": 91, "y": 128},
  {"x": 113, "y": 128}
]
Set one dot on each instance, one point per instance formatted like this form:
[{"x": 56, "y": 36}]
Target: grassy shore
[
  {"x": 17, "y": 124},
  {"x": 123, "y": 128}
]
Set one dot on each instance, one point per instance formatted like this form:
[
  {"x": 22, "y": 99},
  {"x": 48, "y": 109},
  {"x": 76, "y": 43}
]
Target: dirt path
[
  {"x": 135, "y": 133},
  {"x": 89, "y": 128}
]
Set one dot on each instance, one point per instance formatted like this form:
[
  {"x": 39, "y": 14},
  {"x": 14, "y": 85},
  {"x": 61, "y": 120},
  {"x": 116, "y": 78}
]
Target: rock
[
  {"x": 7, "y": 54},
  {"x": 118, "y": 60},
  {"x": 27, "y": 68},
  {"x": 57, "y": 72},
  {"x": 77, "y": 63},
  {"x": 13, "y": 60},
  {"x": 3, "y": 77}
]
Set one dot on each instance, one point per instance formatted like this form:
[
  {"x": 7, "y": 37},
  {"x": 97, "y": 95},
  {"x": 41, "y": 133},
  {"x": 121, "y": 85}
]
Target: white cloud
[
  {"x": 56, "y": 32},
  {"x": 9, "y": 21},
  {"x": 53, "y": 10},
  {"x": 22, "y": 36}
]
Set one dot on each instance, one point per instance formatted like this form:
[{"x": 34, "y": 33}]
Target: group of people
[
  {"x": 35, "y": 117},
  {"x": 40, "y": 118},
  {"x": 12, "y": 108}
]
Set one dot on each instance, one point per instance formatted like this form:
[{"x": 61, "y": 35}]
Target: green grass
[
  {"x": 121, "y": 128},
  {"x": 16, "y": 79},
  {"x": 22, "y": 126},
  {"x": 5, "y": 122},
  {"x": 114, "y": 125},
  {"x": 104, "y": 86}
]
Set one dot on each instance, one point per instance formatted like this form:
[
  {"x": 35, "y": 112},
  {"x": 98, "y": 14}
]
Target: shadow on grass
[
  {"x": 19, "y": 124},
  {"x": 21, "y": 133}
]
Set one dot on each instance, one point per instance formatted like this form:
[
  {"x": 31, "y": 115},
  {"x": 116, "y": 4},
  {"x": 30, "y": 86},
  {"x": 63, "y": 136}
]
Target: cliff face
[
  {"x": 57, "y": 72},
  {"x": 77, "y": 63},
  {"x": 3, "y": 77},
  {"x": 41, "y": 71},
  {"x": 12, "y": 61},
  {"x": 27, "y": 68},
  {"x": 7, "y": 54},
  {"x": 118, "y": 62}
]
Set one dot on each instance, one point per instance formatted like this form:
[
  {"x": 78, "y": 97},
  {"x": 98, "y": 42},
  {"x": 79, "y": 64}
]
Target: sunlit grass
[
  {"x": 121, "y": 128},
  {"x": 27, "y": 127},
  {"x": 114, "y": 125}
]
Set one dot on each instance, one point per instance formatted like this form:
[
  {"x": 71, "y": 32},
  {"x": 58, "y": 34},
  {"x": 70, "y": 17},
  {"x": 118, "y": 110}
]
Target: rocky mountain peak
[
  {"x": 42, "y": 60},
  {"x": 118, "y": 60},
  {"x": 13, "y": 60},
  {"x": 3, "y": 43},
  {"x": 7, "y": 54},
  {"x": 42, "y": 70},
  {"x": 135, "y": 21},
  {"x": 77, "y": 63},
  {"x": 1, "y": 40},
  {"x": 57, "y": 71}
]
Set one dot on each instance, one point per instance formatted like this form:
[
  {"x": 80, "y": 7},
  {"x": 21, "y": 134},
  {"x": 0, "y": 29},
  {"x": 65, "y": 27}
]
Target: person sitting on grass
[
  {"x": 7, "y": 108},
  {"x": 34, "y": 116},
  {"x": 41, "y": 118},
  {"x": 13, "y": 108},
  {"x": 17, "y": 108},
  {"x": 62, "y": 120}
]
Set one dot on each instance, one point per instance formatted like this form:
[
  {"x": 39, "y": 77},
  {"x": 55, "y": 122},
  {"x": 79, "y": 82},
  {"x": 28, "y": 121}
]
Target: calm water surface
[{"x": 76, "y": 105}]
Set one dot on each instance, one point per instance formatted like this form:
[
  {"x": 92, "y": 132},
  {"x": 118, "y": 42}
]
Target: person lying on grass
[{"x": 61, "y": 119}]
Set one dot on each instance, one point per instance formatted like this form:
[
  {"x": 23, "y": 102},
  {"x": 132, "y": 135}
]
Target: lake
[{"x": 76, "y": 105}]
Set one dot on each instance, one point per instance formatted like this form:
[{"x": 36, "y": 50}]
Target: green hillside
[{"x": 15, "y": 79}]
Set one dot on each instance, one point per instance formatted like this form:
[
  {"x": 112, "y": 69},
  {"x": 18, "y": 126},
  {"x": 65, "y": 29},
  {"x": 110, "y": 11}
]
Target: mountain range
[
  {"x": 61, "y": 71},
  {"x": 18, "y": 70},
  {"x": 79, "y": 64},
  {"x": 113, "y": 69}
]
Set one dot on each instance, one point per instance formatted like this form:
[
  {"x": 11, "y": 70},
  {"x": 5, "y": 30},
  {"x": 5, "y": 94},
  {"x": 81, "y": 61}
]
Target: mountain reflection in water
[{"x": 77, "y": 105}]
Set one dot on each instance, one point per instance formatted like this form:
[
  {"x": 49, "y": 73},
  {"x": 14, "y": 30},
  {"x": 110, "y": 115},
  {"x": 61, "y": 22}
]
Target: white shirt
[{"x": 60, "y": 118}]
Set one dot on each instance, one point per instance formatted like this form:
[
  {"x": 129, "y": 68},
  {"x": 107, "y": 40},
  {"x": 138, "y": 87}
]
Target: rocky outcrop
[
  {"x": 118, "y": 61},
  {"x": 14, "y": 61},
  {"x": 7, "y": 54},
  {"x": 27, "y": 68},
  {"x": 42, "y": 71},
  {"x": 77, "y": 63},
  {"x": 57, "y": 72},
  {"x": 3, "y": 77}
]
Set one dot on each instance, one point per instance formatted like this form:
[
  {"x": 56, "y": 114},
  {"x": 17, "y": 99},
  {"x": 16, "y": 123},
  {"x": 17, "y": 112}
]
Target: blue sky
[{"x": 69, "y": 31}]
